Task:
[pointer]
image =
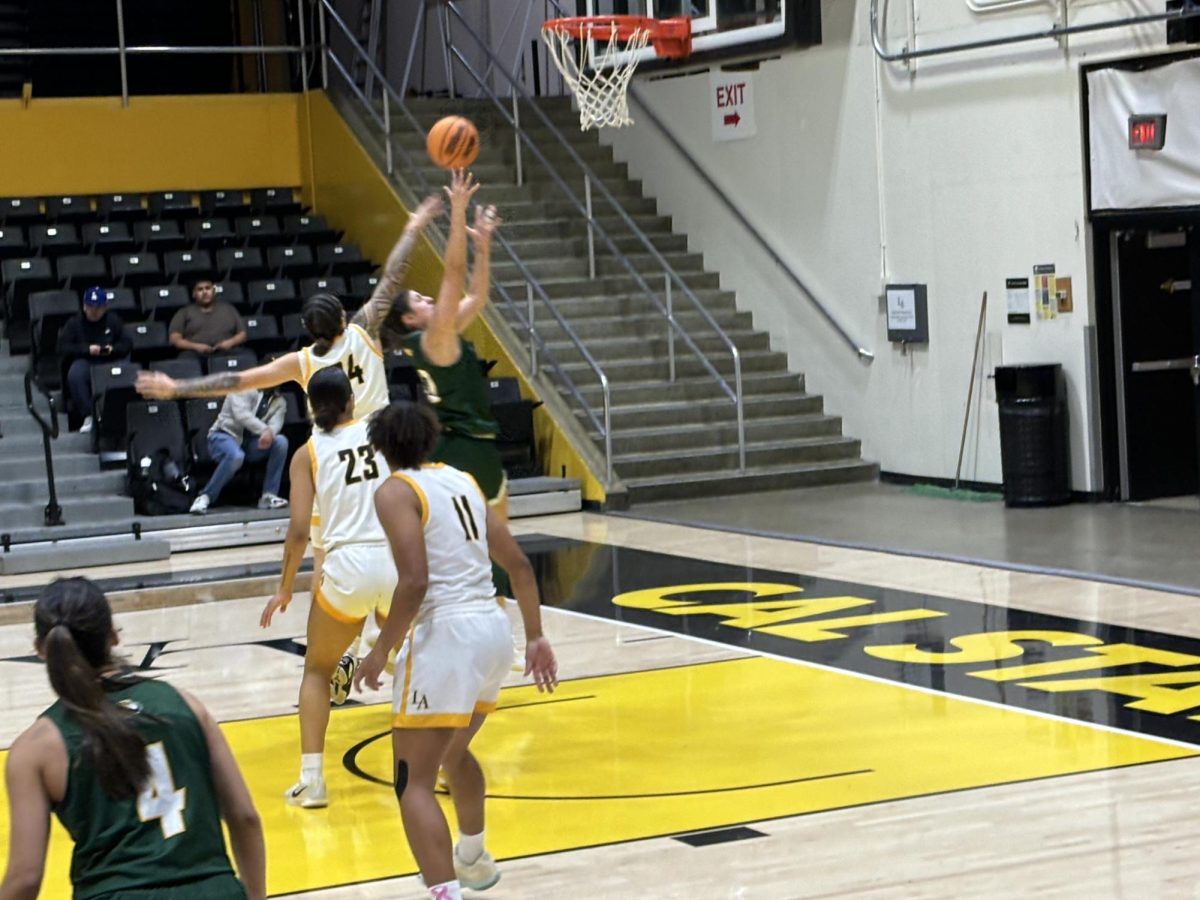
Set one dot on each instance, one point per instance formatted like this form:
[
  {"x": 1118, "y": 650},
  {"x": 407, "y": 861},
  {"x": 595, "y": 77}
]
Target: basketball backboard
[{"x": 723, "y": 29}]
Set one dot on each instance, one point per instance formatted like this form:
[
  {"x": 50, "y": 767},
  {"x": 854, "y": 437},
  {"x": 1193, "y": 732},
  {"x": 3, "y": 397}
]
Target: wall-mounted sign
[
  {"x": 907, "y": 313},
  {"x": 1017, "y": 295}
]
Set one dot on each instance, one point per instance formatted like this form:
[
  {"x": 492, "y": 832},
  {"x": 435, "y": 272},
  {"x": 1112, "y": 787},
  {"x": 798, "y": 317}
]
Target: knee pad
[{"x": 401, "y": 781}]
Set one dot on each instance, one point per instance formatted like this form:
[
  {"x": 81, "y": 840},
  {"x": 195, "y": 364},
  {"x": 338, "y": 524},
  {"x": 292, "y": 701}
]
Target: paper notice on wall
[
  {"x": 1045, "y": 291},
  {"x": 1066, "y": 300},
  {"x": 1017, "y": 295}
]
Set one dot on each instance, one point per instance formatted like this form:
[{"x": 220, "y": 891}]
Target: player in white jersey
[
  {"x": 339, "y": 467},
  {"x": 457, "y": 642}
]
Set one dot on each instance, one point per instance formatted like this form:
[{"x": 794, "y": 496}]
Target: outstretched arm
[
  {"x": 160, "y": 386},
  {"x": 487, "y": 220},
  {"x": 299, "y": 525},
  {"x": 391, "y": 283},
  {"x": 440, "y": 341}
]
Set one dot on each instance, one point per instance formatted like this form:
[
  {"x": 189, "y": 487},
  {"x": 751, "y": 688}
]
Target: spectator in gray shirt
[
  {"x": 247, "y": 428},
  {"x": 206, "y": 325}
]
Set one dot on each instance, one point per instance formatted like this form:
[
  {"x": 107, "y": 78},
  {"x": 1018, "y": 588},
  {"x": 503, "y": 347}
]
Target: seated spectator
[
  {"x": 93, "y": 336},
  {"x": 247, "y": 427},
  {"x": 206, "y": 325}
]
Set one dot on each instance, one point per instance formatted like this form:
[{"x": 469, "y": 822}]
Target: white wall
[{"x": 960, "y": 172}]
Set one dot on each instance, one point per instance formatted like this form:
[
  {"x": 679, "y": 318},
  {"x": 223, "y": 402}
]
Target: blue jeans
[
  {"x": 224, "y": 449},
  {"x": 79, "y": 383}
]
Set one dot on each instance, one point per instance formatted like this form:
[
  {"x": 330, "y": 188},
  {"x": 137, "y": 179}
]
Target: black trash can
[{"x": 1035, "y": 452}]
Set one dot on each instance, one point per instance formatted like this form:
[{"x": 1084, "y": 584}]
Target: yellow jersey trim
[
  {"x": 375, "y": 348},
  {"x": 420, "y": 495},
  {"x": 437, "y": 720}
]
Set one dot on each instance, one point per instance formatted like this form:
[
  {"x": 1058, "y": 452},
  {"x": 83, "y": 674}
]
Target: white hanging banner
[
  {"x": 1132, "y": 177},
  {"x": 731, "y": 98}
]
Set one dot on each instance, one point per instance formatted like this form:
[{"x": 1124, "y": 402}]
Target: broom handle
[{"x": 962, "y": 443}]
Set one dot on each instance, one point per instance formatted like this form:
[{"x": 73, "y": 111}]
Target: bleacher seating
[{"x": 264, "y": 250}]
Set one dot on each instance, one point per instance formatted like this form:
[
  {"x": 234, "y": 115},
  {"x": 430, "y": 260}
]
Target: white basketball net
[{"x": 599, "y": 78}]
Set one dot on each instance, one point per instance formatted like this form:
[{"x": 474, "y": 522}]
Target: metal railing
[
  {"x": 540, "y": 353},
  {"x": 1055, "y": 32},
  {"x": 123, "y": 51},
  {"x": 53, "y": 512},
  {"x": 671, "y": 278}
]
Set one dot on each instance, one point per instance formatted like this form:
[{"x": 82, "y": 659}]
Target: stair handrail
[
  {"x": 735, "y": 393},
  {"x": 53, "y": 512},
  {"x": 533, "y": 285},
  {"x": 737, "y": 213}
]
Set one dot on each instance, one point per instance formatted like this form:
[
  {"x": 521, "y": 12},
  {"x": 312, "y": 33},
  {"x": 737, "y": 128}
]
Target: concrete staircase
[
  {"x": 670, "y": 439},
  {"x": 86, "y": 494}
]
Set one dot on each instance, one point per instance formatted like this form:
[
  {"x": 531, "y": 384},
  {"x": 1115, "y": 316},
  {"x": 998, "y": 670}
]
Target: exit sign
[{"x": 1147, "y": 132}]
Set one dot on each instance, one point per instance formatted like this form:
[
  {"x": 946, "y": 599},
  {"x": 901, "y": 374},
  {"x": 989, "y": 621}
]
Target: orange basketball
[{"x": 453, "y": 142}]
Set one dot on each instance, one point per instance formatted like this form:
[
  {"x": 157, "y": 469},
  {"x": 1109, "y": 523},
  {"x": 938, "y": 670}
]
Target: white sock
[
  {"x": 352, "y": 650},
  {"x": 312, "y": 767},
  {"x": 447, "y": 890},
  {"x": 470, "y": 847}
]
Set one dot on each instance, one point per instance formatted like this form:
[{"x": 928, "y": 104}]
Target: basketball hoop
[{"x": 597, "y": 56}]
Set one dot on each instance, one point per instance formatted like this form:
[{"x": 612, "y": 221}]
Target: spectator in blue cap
[{"x": 95, "y": 335}]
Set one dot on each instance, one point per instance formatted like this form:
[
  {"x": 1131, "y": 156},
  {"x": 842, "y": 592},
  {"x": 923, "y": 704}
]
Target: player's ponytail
[
  {"x": 73, "y": 624},
  {"x": 324, "y": 318},
  {"x": 329, "y": 395}
]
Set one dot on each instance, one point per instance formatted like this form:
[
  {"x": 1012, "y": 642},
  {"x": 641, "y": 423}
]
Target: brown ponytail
[{"x": 73, "y": 623}]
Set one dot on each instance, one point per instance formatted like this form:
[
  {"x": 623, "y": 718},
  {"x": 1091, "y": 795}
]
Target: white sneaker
[
  {"x": 271, "y": 501},
  {"x": 86, "y": 426},
  {"x": 343, "y": 677},
  {"x": 200, "y": 505},
  {"x": 479, "y": 875},
  {"x": 309, "y": 796}
]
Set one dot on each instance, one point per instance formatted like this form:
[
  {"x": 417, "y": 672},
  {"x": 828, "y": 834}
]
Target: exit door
[{"x": 1156, "y": 327}]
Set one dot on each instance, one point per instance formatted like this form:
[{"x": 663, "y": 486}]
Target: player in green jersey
[{"x": 137, "y": 771}]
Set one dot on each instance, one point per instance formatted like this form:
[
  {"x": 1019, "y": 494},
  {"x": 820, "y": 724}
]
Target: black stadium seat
[
  {"x": 311, "y": 230},
  {"x": 150, "y": 343},
  {"x": 153, "y": 427},
  {"x": 231, "y": 292},
  {"x": 21, "y": 210},
  {"x": 223, "y": 203},
  {"x": 179, "y": 367},
  {"x": 70, "y": 208},
  {"x": 277, "y": 200},
  {"x": 172, "y": 205},
  {"x": 54, "y": 239},
  {"x": 343, "y": 259},
  {"x": 135, "y": 270},
  {"x": 293, "y": 262},
  {"x": 324, "y": 284},
  {"x": 161, "y": 301},
  {"x": 273, "y": 296},
  {"x": 21, "y": 278},
  {"x": 185, "y": 266},
  {"x": 120, "y": 207},
  {"x": 210, "y": 233},
  {"x": 112, "y": 392},
  {"x": 13, "y": 243},
  {"x": 241, "y": 263},
  {"x": 48, "y": 312},
  {"x": 262, "y": 335},
  {"x": 293, "y": 331},
  {"x": 159, "y": 236},
  {"x": 108, "y": 237},
  {"x": 200, "y": 414},
  {"x": 82, "y": 270},
  {"x": 236, "y": 360},
  {"x": 123, "y": 303},
  {"x": 261, "y": 231}
]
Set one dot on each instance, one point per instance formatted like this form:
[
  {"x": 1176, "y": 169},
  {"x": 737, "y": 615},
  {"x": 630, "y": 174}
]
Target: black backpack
[{"x": 157, "y": 485}]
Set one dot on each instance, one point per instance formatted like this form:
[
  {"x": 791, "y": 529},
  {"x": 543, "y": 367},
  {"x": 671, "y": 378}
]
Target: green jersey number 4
[{"x": 160, "y": 799}]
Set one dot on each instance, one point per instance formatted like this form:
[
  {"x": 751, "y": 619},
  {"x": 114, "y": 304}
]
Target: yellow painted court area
[{"x": 629, "y": 756}]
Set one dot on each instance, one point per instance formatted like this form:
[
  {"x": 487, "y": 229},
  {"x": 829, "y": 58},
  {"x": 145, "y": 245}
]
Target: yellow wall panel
[{"x": 94, "y": 145}]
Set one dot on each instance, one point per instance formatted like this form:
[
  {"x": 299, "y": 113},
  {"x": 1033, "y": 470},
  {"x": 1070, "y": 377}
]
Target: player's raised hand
[
  {"x": 461, "y": 189},
  {"x": 487, "y": 220},
  {"x": 155, "y": 385},
  {"x": 541, "y": 664}
]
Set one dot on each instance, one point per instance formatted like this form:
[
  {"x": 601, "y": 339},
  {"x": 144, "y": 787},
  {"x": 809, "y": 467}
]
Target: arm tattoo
[
  {"x": 208, "y": 386},
  {"x": 376, "y": 309}
]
